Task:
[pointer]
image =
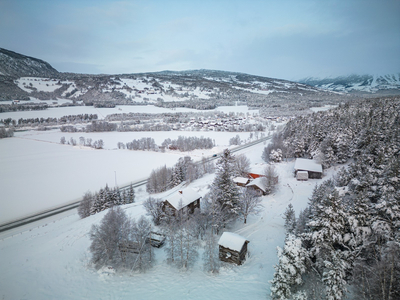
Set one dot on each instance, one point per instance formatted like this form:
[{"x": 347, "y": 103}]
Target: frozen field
[
  {"x": 51, "y": 261},
  {"x": 39, "y": 173},
  {"x": 103, "y": 112}
]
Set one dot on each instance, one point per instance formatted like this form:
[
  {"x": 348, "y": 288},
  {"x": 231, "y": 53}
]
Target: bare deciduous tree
[
  {"x": 241, "y": 165},
  {"x": 249, "y": 203},
  {"x": 85, "y": 205}
]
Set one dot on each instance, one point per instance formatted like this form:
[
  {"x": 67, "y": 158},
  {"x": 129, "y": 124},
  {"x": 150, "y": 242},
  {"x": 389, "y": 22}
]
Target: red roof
[{"x": 254, "y": 175}]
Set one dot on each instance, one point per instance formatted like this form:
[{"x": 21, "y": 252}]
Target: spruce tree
[{"x": 223, "y": 188}]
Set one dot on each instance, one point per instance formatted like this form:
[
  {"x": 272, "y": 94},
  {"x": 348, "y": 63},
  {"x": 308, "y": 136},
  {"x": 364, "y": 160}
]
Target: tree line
[
  {"x": 49, "y": 121},
  {"x": 103, "y": 199}
]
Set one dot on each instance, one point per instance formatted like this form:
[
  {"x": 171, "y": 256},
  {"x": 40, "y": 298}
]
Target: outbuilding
[
  {"x": 313, "y": 169},
  {"x": 186, "y": 200},
  {"x": 232, "y": 248}
]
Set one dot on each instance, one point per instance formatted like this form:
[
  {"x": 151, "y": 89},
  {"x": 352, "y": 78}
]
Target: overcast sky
[{"x": 281, "y": 39}]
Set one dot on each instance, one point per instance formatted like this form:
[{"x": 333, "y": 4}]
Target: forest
[{"x": 347, "y": 241}]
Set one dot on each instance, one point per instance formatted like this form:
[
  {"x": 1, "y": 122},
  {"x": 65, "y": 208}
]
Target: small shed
[
  {"x": 310, "y": 166},
  {"x": 232, "y": 248},
  {"x": 241, "y": 181},
  {"x": 259, "y": 184},
  {"x": 186, "y": 199}
]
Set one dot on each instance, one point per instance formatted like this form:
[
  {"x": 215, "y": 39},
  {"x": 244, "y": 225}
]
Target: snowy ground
[{"x": 51, "y": 260}]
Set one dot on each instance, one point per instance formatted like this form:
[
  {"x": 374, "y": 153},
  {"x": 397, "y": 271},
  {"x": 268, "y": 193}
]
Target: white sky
[{"x": 281, "y": 39}]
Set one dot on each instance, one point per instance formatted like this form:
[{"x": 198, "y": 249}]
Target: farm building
[
  {"x": 259, "y": 184},
  {"x": 186, "y": 199},
  {"x": 313, "y": 169},
  {"x": 232, "y": 248},
  {"x": 241, "y": 181}
]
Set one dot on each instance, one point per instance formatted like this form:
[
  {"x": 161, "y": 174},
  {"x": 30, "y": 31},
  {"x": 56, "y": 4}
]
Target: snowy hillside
[
  {"x": 18, "y": 65},
  {"x": 358, "y": 83}
]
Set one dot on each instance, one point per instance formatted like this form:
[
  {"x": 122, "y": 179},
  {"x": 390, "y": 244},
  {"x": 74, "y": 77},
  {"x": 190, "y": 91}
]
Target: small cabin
[
  {"x": 232, "y": 248},
  {"x": 241, "y": 181},
  {"x": 309, "y": 166},
  {"x": 186, "y": 200}
]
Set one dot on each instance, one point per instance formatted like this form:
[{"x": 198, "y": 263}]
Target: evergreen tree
[
  {"x": 290, "y": 220},
  {"x": 291, "y": 266},
  {"x": 223, "y": 188}
]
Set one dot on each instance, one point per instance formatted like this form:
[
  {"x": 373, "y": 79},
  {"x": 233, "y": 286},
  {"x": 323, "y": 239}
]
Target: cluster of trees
[
  {"x": 235, "y": 140},
  {"x": 99, "y": 144},
  {"x": 23, "y": 107},
  {"x": 349, "y": 234},
  {"x": 185, "y": 169},
  {"x": 188, "y": 143},
  {"x": 121, "y": 243},
  {"x": 336, "y": 135},
  {"x": 103, "y": 199},
  {"x": 142, "y": 144},
  {"x": 4, "y": 133},
  {"x": 100, "y": 126},
  {"x": 51, "y": 121}
]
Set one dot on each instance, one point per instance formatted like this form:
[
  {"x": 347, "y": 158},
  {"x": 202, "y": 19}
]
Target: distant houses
[
  {"x": 186, "y": 200},
  {"x": 232, "y": 248},
  {"x": 307, "y": 168}
]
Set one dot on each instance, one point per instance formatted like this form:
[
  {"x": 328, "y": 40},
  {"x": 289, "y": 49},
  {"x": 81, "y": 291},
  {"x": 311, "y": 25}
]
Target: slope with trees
[{"x": 350, "y": 231}]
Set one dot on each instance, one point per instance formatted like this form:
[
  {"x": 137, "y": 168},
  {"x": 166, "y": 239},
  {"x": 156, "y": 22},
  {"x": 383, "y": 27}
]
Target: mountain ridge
[{"x": 355, "y": 83}]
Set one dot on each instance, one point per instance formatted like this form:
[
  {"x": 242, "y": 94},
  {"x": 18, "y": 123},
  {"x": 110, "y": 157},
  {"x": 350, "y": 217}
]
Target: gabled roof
[
  {"x": 187, "y": 196},
  {"x": 258, "y": 182},
  {"x": 232, "y": 241},
  {"x": 307, "y": 165}
]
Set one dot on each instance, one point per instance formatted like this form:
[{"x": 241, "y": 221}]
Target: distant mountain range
[
  {"x": 23, "y": 77},
  {"x": 381, "y": 84}
]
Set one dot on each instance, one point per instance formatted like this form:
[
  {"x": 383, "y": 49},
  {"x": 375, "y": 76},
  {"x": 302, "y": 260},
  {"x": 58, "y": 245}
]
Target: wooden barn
[
  {"x": 186, "y": 199},
  {"x": 313, "y": 169},
  {"x": 232, "y": 248}
]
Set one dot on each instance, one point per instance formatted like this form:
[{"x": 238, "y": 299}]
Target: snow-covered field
[
  {"x": 38, "y": 173},
  {"x": 103, "y": 112},
  {"x": 51, "y": 261}
]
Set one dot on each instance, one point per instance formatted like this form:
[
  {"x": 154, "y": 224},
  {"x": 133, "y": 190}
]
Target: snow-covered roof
[
  {"x": 232, "y": 241},
  {"x": 307, "y": 165},
  {"x": 187, "y": 196},
  {"x": 242, "y": 180},
  {"x": 258, "y": 182}
]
